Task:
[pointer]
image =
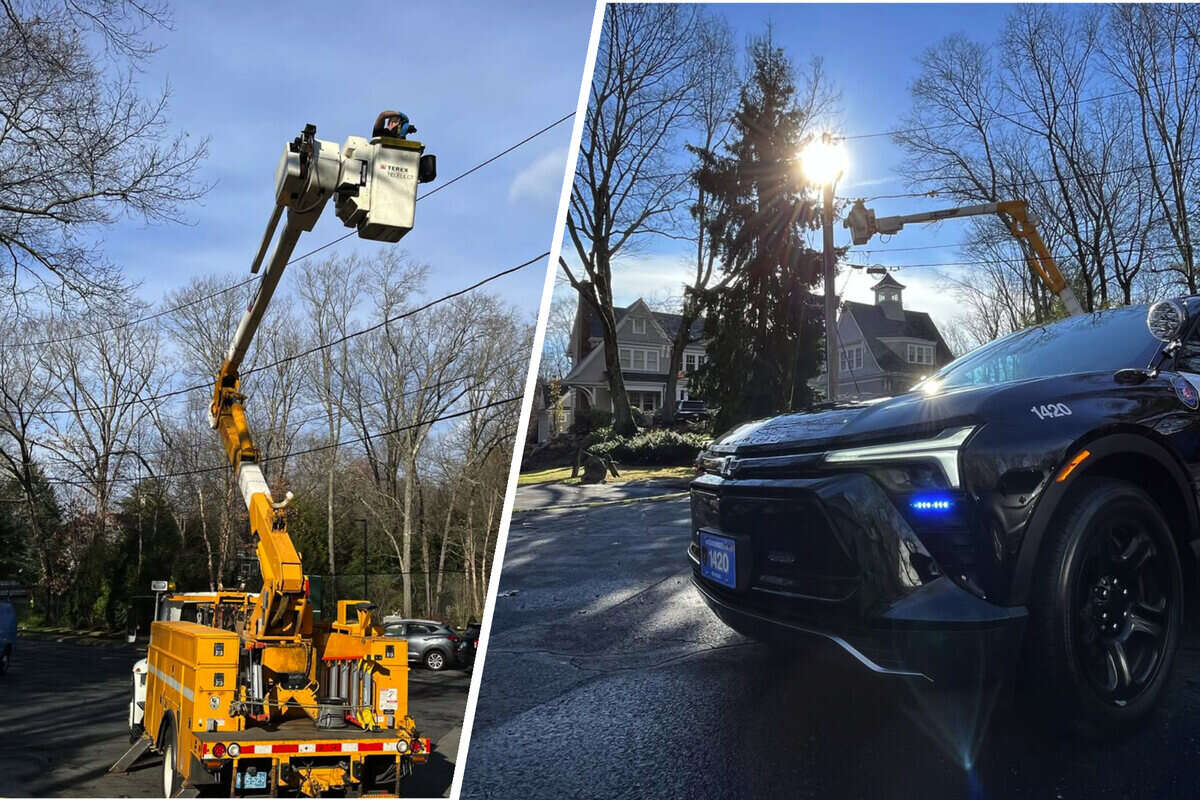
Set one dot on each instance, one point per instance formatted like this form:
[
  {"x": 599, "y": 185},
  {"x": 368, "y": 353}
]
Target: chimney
[{"x": 889, "y": 298}]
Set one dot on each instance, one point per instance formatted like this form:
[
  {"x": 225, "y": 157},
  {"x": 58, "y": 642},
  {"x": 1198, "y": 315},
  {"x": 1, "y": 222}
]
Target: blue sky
[
  {"x": 870, "y": 52},
  {"x": 474, "y": 77}
]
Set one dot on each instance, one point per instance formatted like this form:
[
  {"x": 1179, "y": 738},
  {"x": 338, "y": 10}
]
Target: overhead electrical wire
[
  {"x": 286, "y": 359},
  {"x": 993, "y": 114},
  {"x": 501, "y": 154},
  {"x": 306, "y": 451},
  {"x": 298, "y": 426},
  {"x": 964, "y": 262},
  {"x": 164, "y": 312}
]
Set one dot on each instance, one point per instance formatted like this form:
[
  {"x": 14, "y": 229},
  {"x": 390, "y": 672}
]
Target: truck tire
[
  {"x": 172, "y": 781},
  {"x": 436, "y": 660},
  {"x": 1106, "y": 611}
]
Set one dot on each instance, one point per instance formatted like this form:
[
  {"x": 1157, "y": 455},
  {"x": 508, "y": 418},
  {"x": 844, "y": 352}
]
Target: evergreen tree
[{"x": 765, "y": 325}]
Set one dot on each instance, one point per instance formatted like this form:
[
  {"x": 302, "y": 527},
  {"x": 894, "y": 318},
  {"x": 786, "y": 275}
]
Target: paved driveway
[
  {"x": 63, "y": 723},
  {"x": 607, "y": 677}
]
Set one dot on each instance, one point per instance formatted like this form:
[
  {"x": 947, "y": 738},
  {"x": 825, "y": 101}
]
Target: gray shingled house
[
  {"x": 885, "y": 348},
  {"x": 644, "y": 339}
]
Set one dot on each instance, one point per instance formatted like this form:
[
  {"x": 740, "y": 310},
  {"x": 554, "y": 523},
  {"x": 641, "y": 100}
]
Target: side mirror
[
  {"x": 427, "y": 169},
  {"x": 1166, "y": 320}
]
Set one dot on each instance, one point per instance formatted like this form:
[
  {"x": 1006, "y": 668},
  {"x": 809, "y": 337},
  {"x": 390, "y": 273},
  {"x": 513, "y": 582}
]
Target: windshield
[{"x": 1101, "y": 342}]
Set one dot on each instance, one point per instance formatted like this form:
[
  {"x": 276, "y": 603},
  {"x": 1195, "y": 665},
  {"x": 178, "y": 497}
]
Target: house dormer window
[
  {"x": 639, "y": 325},
  {"x": 851, "y": 358},
  {"x": 920, "y": 354}
]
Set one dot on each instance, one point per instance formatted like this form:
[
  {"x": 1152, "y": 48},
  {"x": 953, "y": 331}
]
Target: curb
[
  {"x": 83, "y": 639},
  {"x": 599, "y": 503}
]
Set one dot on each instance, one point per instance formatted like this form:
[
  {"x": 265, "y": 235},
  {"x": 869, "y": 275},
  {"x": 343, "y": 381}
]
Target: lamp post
[
  {"x": 364, "y": 529},
  {"x": 824, "y": 161}
]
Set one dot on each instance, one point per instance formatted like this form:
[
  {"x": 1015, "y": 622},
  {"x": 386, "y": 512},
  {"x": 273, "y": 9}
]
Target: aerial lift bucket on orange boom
[{"x": 1015, "y": 213}]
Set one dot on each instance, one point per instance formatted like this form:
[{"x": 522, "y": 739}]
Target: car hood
[{"x": 922, "y": 412}]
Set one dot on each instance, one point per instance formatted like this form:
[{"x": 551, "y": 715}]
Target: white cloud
[
  {"x": 867, "y": 182},
  {"x": 541, "y": 181}
]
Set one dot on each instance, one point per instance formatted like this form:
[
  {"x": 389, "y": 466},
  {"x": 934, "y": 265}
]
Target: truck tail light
[
  {"x": 219, "y": 750},
  {"x": 234, "y": 750}
]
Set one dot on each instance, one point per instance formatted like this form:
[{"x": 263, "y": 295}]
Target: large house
[
  {"x": 884, "y": 348},
  {"x": 644, "y": 340}
]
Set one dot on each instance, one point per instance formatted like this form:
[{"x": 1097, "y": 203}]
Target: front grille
[{"x": 793, "y": 549}]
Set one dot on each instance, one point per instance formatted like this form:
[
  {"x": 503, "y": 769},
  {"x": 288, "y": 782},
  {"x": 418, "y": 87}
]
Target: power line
[
  {"x": 501, "y": 154},
  {"x": 876, "y": 253},
  {"x": 994, "y": 114},
  {"x": 320, "y": 448},
  {"x": 312, "y": 252},
  {"x": 310, "y": 351},
  {"x": 400, "y": 316},
  {"x": 298, "y": 426}
]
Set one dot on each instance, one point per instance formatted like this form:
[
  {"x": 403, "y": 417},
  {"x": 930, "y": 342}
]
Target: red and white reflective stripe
[{"x": 317, "y": 747}]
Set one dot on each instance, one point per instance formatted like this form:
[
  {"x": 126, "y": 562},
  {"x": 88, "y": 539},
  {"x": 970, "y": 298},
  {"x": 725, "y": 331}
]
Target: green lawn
[{"x": 563, "y": 475}]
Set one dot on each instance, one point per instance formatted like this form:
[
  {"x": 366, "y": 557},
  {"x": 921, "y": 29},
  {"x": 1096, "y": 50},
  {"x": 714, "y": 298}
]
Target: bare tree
[
  {"x": 1153, "y": 50},
  {"x": 625, "y": 182},
  {"x": 716, "y": 80},
  {"x": 329, "y": 291},
  {"x": 25, "y": 393},
  {"x": 79, "y": 146}
]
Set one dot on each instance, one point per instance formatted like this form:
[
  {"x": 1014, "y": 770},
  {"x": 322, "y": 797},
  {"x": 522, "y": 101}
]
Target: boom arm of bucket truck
[
  {"x": 1015, "y": 213},
  {"x": 374, "y": 186}
]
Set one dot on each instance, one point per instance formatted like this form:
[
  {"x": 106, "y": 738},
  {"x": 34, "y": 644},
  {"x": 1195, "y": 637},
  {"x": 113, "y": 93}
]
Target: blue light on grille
[{"x": 931, "y": 505}]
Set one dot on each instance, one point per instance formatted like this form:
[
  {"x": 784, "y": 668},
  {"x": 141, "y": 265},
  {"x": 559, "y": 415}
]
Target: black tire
[
  {"x": 5, "y": 659},
  {"x": 436, "y": 660},
  {"x": 172, "y": 780},
  {"x": 1106, "y": 611}
]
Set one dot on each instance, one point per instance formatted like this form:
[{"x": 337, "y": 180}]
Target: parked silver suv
[{"x": 431, "y": 643}]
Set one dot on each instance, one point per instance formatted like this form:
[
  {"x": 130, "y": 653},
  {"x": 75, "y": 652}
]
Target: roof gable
[
  {"x": 876, "y": 326},
  {"x": 668, "y": 322}
]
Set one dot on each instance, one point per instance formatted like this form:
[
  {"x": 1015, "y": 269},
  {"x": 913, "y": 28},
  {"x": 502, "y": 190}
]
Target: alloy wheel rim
[
  {"x": 435, "y": 661},
  {"x": 1124, "y": 609}
]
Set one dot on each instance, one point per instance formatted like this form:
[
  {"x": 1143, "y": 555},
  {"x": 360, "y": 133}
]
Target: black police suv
[{"x": 1033, "y": 503}]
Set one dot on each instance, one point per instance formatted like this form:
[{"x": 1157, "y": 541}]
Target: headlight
[
  {"x": 941, "y": 449},
  {"x": 402, "y": 746},
  {"x": 234, "y": 750}
]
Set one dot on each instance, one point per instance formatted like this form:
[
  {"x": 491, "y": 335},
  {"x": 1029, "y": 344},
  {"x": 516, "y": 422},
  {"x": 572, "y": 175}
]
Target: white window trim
[
  {"x": 639, "y": 325},
  {"x": 920, "y": 354},
  {"x": 648, "y": 356},
  {"x": 851, "y": 358}
]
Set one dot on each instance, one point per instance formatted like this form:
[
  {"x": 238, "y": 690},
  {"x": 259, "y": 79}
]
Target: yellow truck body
[{"x": 193, "y": 717}]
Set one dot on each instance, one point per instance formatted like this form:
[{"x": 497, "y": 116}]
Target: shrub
[
  {"x": 590, "y": 419},
  {"x": 653, "y": 448}
]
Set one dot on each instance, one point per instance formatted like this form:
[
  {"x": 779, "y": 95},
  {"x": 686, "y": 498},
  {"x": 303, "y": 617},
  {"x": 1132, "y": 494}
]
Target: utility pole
[
  {"x": 823, "y": 160},
  {"x": 831, "y": 340},
  {"x": 363, "y": 520}
]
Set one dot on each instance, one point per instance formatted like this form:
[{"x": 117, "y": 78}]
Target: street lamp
[{"x": 824, "y": 161}]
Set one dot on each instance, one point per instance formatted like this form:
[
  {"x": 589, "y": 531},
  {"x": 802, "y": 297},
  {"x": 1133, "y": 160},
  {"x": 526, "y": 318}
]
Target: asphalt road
[
  {"x": 63, "y": 723},
  {"x": 606, "y": 676}
]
